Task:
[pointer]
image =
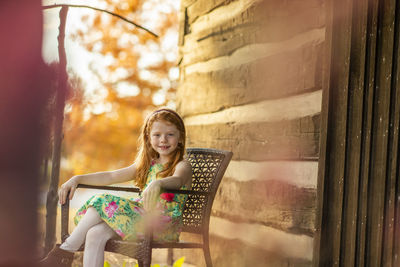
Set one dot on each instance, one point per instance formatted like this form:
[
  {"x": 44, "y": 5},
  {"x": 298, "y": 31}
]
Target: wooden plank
[
  {"x": 273, "y": 77},
  {"x": 366, "y": 132},
  {"x": 396, "y": 245},
  {"x": 336, "y": 135},
  {"x": 322, "y": 203},
  {"x": 273, "y": 203},
  {"x": 378, "y": 174},
  {"x": 389, "y": 249},
  {"x": 354, "y": 129},
  {"x": 259, "y": 141},
  {"x": 395, "y": 168}
]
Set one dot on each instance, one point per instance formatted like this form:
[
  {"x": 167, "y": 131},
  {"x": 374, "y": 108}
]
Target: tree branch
[{"x": 102, "y": 10}]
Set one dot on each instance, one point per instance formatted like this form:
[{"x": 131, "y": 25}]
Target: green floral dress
[{"x": 127, "y": 217}]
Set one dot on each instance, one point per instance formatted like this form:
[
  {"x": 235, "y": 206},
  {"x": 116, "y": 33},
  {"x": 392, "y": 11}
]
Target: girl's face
[{"x": 164, "y": 137}]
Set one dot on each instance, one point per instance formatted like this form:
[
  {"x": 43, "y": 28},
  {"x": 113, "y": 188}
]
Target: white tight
[
  {"x": 94, "y": 232},
  {"x": 96, "y": 239}
]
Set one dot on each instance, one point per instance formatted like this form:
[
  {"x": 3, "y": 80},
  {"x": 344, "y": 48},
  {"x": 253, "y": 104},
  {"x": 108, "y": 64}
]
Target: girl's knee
[
  {"x": 91, "y": 210},
  {"x": 92, "y": 213},
  {"x": 99, "y": 234},
  {"x": 94, "y": 235}
]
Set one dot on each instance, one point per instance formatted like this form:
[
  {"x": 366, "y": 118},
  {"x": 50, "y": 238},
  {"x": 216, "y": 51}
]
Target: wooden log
[
  {"x": 259, "y": 141},
  {"x": 200, "y": 7},
  {"x": 224, "y": 19},
  {"x": 224, "y": 43},
  {"x": 228, "y": 252},
  {"x": 280, "y": 19},
  {"x": 187, "y": 3},
  {"x": 270, "y": 202},
  {"x": 245, "y": 29},
  {"x": 301, "y": 174},
  {"x": 254, "y": 52},
  {"x": 277, "y": 76},
  {"x": 284, "y": 109}
]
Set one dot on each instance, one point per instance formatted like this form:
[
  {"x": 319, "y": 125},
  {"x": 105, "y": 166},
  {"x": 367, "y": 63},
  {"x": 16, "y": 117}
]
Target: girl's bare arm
[
  {"x": 107, "y": 177},
  {"x": 97, "y": 178},
  {"x": 182, "y": 176}
]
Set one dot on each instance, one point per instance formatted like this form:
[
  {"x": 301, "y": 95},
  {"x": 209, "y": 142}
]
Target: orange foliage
[{"x": 107, "y": 140}]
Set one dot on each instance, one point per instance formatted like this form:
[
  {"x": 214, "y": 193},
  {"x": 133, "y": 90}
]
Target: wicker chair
[{"x": 208, "y": 167}]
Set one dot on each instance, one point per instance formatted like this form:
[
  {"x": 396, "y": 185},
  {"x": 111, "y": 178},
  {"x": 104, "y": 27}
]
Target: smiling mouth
[{"x": 164, "y": 147}]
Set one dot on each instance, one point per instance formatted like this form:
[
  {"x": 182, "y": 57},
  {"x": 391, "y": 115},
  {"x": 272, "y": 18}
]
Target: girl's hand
[
  {"x": 68, "y": 186},
  {"x": 150, "y": 195}
]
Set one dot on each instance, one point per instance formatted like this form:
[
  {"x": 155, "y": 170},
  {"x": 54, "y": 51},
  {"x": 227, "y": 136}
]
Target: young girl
[{"x": 159, "y": 165}]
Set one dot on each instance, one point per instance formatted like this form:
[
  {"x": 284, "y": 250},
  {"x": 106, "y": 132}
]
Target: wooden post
[
  {"x": 22, "y": 99},
  {"x": 52, "y": 197},
  {"x": 357, "y": 184}
]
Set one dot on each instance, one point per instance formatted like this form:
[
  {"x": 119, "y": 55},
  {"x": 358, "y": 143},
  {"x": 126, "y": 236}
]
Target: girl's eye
[
  {"x": 156, "y": 135},
  {"x": 170, "y": 134}
]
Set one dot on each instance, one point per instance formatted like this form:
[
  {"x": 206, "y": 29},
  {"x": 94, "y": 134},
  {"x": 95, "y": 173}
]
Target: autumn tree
[{"x": 102, "y": 125}]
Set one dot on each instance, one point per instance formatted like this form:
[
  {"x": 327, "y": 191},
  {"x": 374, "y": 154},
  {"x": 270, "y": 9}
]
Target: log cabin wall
[{"x": 251, "y": 78}]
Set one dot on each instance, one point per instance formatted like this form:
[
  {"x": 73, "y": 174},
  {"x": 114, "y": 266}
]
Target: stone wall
[{"x": 251, "y": 82}]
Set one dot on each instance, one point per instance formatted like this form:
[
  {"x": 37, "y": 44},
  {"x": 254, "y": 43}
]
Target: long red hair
[{"x": 146, "y": 153}]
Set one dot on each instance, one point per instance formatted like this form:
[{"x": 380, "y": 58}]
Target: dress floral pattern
[{"x": 128, "y": 218}]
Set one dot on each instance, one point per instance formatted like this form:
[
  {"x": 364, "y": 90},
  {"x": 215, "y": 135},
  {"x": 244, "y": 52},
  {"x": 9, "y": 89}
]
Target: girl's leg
[
  {"x": 96, "y": 239},
  {"x": 77, "y": 237}
]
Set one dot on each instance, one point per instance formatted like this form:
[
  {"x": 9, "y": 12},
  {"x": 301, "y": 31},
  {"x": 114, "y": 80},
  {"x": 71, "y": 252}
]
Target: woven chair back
[{"x": 208, "y": 167}]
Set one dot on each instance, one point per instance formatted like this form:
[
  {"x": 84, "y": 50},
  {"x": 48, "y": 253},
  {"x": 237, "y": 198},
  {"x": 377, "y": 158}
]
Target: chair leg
[
  {"x": 170, "y": 257},
  {"x": 207, "y": 255},
  {"x": 146, "y": 262}
]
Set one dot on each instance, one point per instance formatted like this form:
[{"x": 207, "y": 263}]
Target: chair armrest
[
  {"x": 187, "y": 192},
  {"x": 114, "y": 188}
]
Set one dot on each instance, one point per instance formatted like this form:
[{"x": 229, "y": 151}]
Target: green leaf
[
  {"x": 179, "y": 262},
  {"x": 107, "y": 264}
]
